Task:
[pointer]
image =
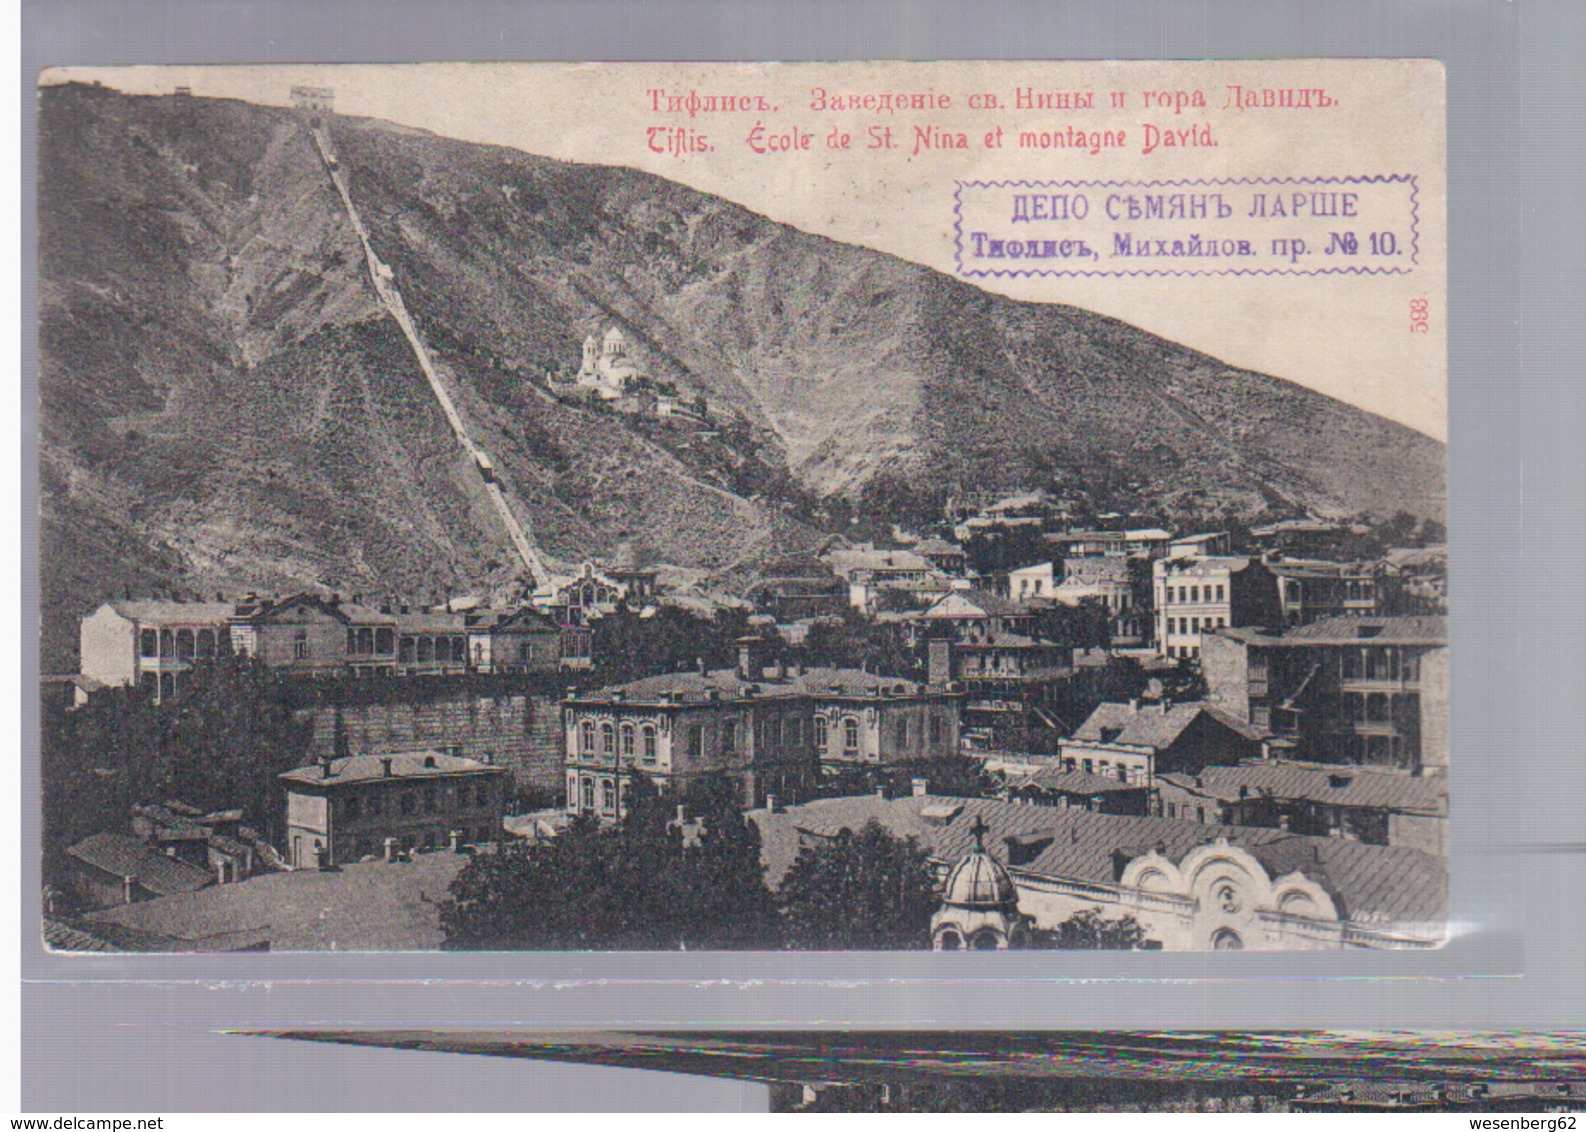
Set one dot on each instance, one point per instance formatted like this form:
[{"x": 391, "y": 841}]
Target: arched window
[
  {"x": 647, "y": 747},
  {"x": 586, "y": 737},
  {"x": 184, "y": 644},
  {"x": 608, "y": 740},
  {"x": 903, "y": 734},
  {"x": 426, "y": 650},
  {"x": 589, "y": 794},
  {"x": 1227, "y": 939},
  {"x": 149, "y": 643},
  {"x": 384, "y": 640},
  {"x": 366, "y": 641},
  {"x": 167, "y": 643},
  {"x": 608, "y": 796},
  {"x": 985, "y": 940},
  {"x": 627, "y": 742},
  {"x": 820, "y": 733},
  {"x": 850, "y": 735},
  {"x": 951, "y": 940}
]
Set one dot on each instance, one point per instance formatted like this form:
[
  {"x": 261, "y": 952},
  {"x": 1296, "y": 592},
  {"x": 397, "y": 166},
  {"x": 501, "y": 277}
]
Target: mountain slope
[{"x": 225, "y": 403}]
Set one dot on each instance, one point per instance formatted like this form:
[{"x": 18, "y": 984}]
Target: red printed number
[{"x": 1420, "y": 318}]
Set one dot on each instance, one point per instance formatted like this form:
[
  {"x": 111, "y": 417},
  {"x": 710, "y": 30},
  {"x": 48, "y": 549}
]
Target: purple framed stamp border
[{"x": 1410, "y": 179}]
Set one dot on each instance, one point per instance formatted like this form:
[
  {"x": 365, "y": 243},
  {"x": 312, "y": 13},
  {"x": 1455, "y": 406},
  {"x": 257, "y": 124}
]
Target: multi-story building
[
  {"x": 1135, "y": 742},
  {"x": 521, "y": 640},
  {"x": 1121, "y": 584},
  {"x": 1353, "y": 803},
  {"x": 1362, "y": 690},
  {"x": 432, "y": 644},
  {"x": 341, "y": 810},
  {"x": 304, "y": 634},
  {"x": 1148, "y": 542},
  {"x": 767, "y": 730},
  {"x": 869, "y": 571},
  {"x": 1310, "y": 590},
  {"x": 1196, "y": 595},
  {"x": 151, "y": 643}
]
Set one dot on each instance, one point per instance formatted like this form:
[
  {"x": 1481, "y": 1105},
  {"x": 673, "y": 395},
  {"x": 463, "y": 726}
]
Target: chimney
[
  {"x": 751, "y": 657},
  {"x": 390, "y": 845},
  {"x": 920, "y": 787},
  {"x": 939, "y": 662},
  {"x": 1134, "y": 705},
  {"x": 457, "y": 841},
  {"x": 321, "y": 857},
  {"x": 385, "y": 767},
  {"x": 129, "y": 885},
  {"x": 327, "y": 766},
  {"x": 682, "y": 813},
  {"x": 881, "y": 790},
  {"x": 770, "y": 803},
  {"x": 699, "y": 663}
]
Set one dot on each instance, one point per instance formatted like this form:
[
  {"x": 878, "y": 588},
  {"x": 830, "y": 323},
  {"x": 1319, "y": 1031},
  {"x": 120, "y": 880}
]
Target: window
[
  {"x": 608, "y": 796},
  {"x": 1195, "y": 593},
  {"x": 300, "y": 645},
  {"x": 648, "y": 745},
  {"x": 1219, "y": 593},
  {"x": 627, "y": 742},
  {"x": 729, "y": 737},
  {"x": 586, "y": 737},
  {"x": 407, "y": 650},
  {"x": 1090, "y": 766},
  {"x": 167, "y": 643},
  {"x": 589, "y": 794},
  {"x": 850, "y": 735},
  {"x": 696, "y": 743},
  {"x": 184, "y": 644},
  {"x": 384, "y": 641},
  {"x": 820, "y": 733},
  {"x": 608, "y": 740},
  {"x": 936, "y": 729},
  {"x": 149, "y": 643},
  {"x": 206, "y": 644},
  {"x": 903, "y": 733},
  {"x": 426, "y": 650}
]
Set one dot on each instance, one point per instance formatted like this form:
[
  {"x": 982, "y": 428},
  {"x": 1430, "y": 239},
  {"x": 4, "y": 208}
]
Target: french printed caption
[{"x": 692, "y": 122}]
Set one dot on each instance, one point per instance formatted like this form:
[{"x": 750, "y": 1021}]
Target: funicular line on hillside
[{"x": 391, "y": 298}]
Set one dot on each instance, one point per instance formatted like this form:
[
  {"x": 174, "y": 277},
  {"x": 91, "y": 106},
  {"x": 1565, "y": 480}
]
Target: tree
[
  {"x": 860, "y": 891},
  {"x": 644, "y": 884},
  {"x": 1089, "y": 930}
]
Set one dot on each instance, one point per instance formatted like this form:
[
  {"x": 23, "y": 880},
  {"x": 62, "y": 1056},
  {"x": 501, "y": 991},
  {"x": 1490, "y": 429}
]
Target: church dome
[{"x": 978, "y": 881}]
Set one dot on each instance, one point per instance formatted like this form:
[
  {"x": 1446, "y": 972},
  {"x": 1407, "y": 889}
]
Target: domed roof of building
[{"x": 978, "y": 881}]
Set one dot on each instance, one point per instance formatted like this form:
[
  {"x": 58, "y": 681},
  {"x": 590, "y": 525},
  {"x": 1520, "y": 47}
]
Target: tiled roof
[
  {"x": 1001, "y": 640},
  {"x": 1431, "y": 630},
  {"x": 526, "y": 618},
  {"x": 848, "y": 561},
  {"x": 1157, "y": 726},
  {"x": 405, "y": 764},
  {"x": 1374, "y": 885},
  {"x": 1070, "y": 781},
  {"x": 1336, "y": 786},
  {"x": 695, "y": 687},
  {"x": 430, "y": 622},
  {"x": 123, "y": 856},
  {"x": 369, "y": 906},
  {"x": 989, "y": 604},
  {"x": 156, "y": 612},
  {"x": 940, "y": 548},
  {"x": 64, "y": 937}
]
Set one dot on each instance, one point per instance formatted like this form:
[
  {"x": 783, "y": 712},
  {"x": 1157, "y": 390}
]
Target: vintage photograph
[
  {"x": 656, "y": 507},
  {"x": 815, "y": 1071}
]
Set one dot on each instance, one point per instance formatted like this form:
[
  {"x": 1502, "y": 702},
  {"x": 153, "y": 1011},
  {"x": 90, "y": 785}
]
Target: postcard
[{"x": 651, "y": 507}]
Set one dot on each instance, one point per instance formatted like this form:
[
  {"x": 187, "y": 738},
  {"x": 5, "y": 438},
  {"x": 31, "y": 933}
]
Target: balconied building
[
  {"x": 1371, "y": 691},
  {"x": 151, "y": 643},
  {"x": 1311, "y": 590},
  {"x": 766, "y": 729}
]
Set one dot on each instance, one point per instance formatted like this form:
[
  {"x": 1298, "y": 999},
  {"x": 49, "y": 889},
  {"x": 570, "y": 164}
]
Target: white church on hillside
[{"x": 606, "y": 367}]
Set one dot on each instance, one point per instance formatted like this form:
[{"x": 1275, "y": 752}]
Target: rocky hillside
[{"x": 225, "y": 403}]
